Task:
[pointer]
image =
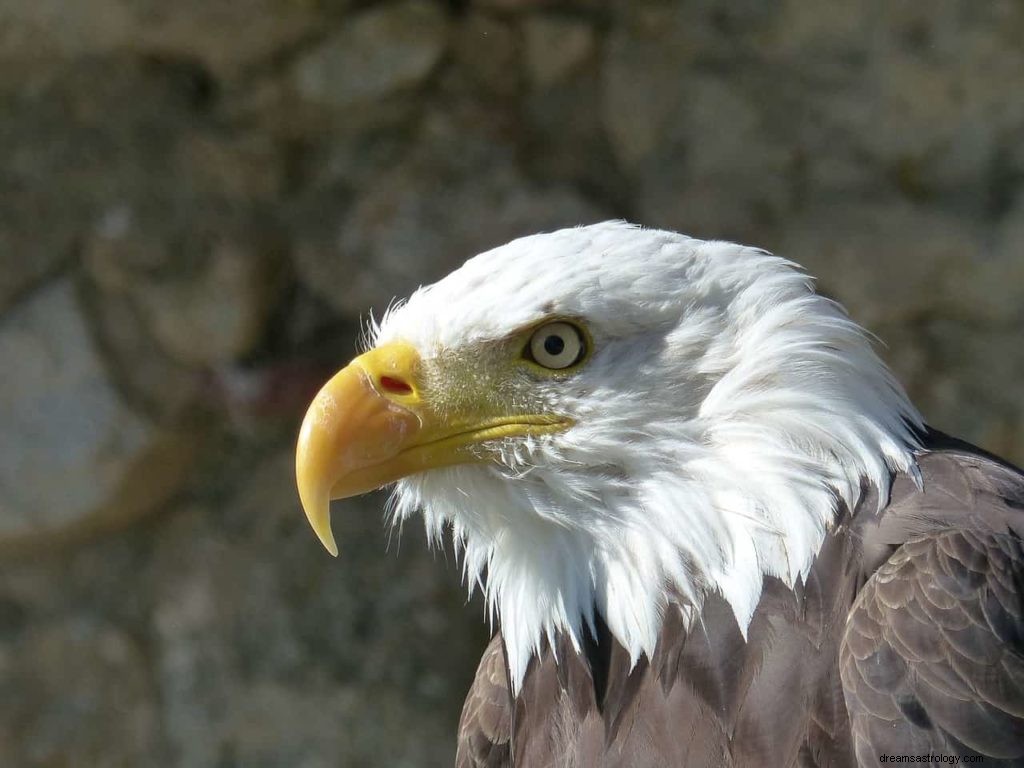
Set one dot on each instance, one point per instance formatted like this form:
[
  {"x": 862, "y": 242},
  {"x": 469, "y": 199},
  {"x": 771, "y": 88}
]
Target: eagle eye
[{"x": 556, "y": 345}]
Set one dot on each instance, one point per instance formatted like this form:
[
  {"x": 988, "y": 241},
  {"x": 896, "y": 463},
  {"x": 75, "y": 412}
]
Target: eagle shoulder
[{"x": 932, "y": 657}]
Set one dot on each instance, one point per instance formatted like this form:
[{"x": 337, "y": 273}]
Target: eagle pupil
[{"x": 554, "y": 345}]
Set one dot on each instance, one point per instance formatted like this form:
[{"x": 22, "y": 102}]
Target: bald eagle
[{"x": 708, "y": 524}]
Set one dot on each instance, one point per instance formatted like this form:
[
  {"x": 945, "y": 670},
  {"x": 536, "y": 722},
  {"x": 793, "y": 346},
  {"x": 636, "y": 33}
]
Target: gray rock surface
[
  {"x": 226, "y": 635},
  {"x": 76, "y": 691},
  {"x": 35, "y": 29},
  {"x": 401, "y": 231},
  {"x": 556, "y": 48},
  {"x": 379, "y": 52},
  {"x": 69, "y": 447},
  {"x": 200, "y": 200}
]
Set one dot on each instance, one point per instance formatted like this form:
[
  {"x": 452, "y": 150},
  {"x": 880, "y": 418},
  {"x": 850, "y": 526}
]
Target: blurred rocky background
[{"x": 200, "y": 200}]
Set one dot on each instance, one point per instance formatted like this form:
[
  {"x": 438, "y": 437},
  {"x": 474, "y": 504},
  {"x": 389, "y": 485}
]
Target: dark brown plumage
[{"x": 906, "y": 638}]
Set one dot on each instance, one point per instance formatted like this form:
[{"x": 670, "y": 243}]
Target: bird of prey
[{"x": 709, "y": 526}]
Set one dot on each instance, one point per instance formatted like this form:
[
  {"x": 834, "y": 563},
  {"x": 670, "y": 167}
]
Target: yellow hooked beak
[{"x": 373, "y": 423}]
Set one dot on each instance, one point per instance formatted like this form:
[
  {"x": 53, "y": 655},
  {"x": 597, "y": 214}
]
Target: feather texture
[
  {"x": 906, "y": 638},
  {"x": 725, "y": 416}
]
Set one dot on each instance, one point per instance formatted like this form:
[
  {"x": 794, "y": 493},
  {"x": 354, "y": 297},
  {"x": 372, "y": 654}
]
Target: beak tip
[
  {"x": 319, "y": 517},
  {"x": 316, "y": 504},
  {"x": 330, "y": 545}
]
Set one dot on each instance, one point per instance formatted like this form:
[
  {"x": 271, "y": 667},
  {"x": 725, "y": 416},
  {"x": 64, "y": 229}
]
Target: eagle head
[{"x": 612, "y": 420}]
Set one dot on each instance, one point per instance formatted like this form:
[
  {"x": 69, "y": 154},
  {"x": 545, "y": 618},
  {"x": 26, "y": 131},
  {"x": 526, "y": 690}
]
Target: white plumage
[{"x": 725, "y": 411}]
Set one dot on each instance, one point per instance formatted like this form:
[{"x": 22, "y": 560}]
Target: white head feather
[{"x": 725, "y": 412}]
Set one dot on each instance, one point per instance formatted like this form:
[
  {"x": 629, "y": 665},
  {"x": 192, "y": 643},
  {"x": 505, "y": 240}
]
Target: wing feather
[
  {"x": 485, "y": 725},
  {"x": 933, "y": 656}
]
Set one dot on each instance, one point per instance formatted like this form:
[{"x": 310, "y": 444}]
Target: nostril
[{"x": 394, "y": 386}]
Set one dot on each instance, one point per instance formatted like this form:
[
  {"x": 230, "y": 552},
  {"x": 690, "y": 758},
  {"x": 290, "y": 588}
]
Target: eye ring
[{"x": 556, "y": 346}]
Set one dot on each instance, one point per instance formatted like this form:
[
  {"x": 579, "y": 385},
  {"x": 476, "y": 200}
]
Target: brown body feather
[{"x": 906, "y": 638}]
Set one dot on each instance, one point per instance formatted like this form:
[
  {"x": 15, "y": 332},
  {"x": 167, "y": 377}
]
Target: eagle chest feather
[{"x": 906, "y": 638}]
